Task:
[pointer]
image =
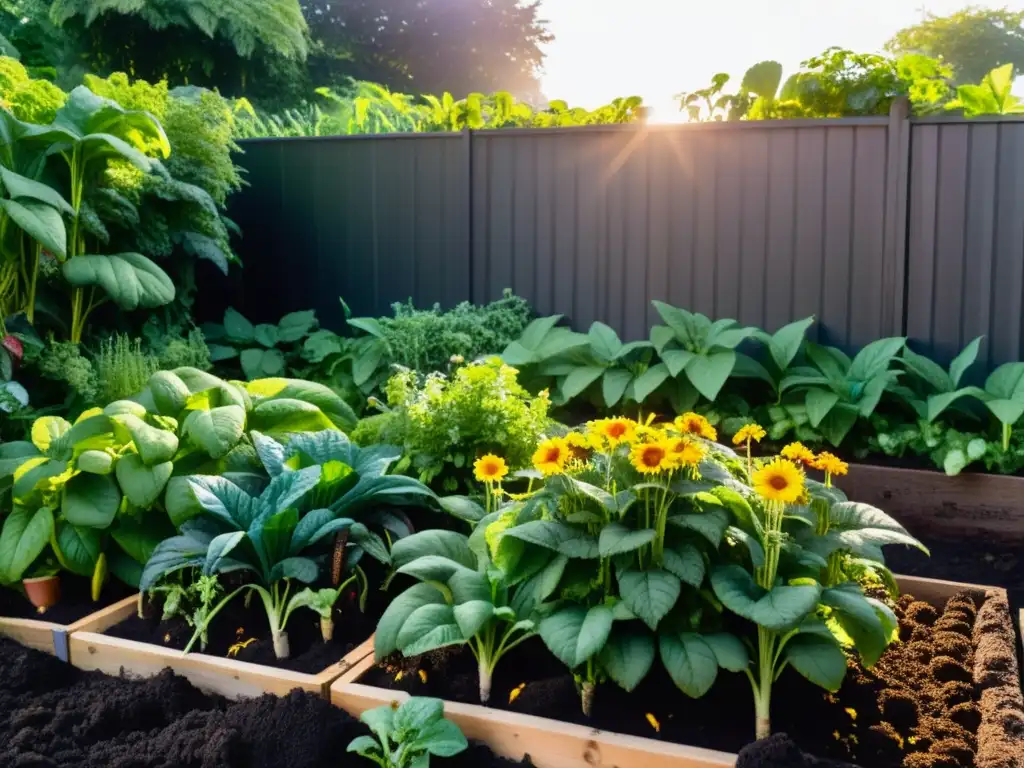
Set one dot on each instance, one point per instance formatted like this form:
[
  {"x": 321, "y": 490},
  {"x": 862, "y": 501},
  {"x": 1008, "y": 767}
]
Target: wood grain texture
[
  {"x": 554, "y": 744},
  {"x": 928, "y": 502},
  {"x": 227, "y": 677},
  {"x": 30, "y": 632}
]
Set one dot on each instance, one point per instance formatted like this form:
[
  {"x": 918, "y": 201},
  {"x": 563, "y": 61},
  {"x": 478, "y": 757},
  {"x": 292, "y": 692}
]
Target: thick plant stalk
[
  {"x": 587, "y": 696},
  {"x": 327, "y": 628},
  {"x": 767, "y": 640},
  {"x": 281, "y": 649},
  {"x": 485, "y": 680}
]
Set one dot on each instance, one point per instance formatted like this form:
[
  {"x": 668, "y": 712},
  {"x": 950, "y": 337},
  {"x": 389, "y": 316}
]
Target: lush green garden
[{"x": 465, "y": 484}]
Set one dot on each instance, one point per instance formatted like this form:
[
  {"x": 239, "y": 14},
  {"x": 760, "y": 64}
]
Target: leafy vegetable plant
[
  {"x": 322, "y": 601},
  {"x": 262, "y": 350},
  {"x": 407, "y": 735},
  {"x": 463, "y": 599}
]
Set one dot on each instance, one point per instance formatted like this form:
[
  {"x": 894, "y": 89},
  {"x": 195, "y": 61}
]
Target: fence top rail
[
  {"x": 354, "y": 137},
  {"x": 961, "y": 120}
]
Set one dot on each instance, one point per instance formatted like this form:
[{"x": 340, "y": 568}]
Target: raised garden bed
[
  {"x": 126, "y": 643},
  {"x": 52, "y": 714},
  {"x": 621, "y": 734},
  {"x": 932, "y": 502},
  {"x": 49, "y": 631}
]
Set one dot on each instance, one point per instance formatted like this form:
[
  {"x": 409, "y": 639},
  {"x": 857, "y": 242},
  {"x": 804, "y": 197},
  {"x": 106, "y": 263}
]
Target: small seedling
[{"x": 406, "y": 735}]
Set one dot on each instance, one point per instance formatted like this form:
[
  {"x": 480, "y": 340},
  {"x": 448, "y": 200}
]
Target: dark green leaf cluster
[{"x": 407, "y": 735}]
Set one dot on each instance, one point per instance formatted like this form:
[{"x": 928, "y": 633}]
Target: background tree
[
  {"x": 972, "y": 41},
  {"x": 429, "y": 46}
]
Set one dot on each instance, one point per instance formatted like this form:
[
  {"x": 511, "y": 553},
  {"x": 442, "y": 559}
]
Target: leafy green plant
[
  {"x": 322, "y": 601},
  {"x": 1003, "y": 395},
  {"x": 443, "y": 423},
  {"x": 262, "y": 350},
  {"x": 597, "y": 363},
  {"x": 837, "y": 391},
  {"x": 315, "y": 480},
  {"x": 463, "y": 599},
  {"x": 783, "y": 347},
  {"x": 699, "y": 354},
  {"x": 407, "y": 735},
  {"x": 992, "y": 96},
  {"x": 941, "y": 387},
  {"x": 122, "y": 368}
]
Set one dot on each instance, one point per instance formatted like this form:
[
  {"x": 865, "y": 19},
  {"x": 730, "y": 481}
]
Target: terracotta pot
[{"x": 42, "y": 592}]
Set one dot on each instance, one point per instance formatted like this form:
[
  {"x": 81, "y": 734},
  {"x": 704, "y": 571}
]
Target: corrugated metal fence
[{"x": 877, "y": 226}]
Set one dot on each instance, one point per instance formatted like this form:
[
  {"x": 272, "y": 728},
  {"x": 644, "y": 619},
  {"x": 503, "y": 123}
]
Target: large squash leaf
[{"x": 130, "y": 279}]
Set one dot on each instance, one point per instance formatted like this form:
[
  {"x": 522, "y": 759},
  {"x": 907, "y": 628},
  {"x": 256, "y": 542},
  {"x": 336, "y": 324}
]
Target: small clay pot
[{"x": 43, "y": 592}]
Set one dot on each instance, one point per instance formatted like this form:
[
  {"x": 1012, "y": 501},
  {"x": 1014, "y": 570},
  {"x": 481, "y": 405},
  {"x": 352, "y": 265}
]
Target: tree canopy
[{"x": 972, "y": 41}]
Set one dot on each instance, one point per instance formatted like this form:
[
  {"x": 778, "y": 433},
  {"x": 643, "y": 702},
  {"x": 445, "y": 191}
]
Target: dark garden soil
[
  {"x": 75, "y": 600},
  {"x": 246, "y": 629},
  {"x": 917, "y": 708},
  {"x": 55, "y": 716}
]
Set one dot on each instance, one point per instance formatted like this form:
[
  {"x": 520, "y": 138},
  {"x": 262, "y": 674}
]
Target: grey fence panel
[
  {"x": 762, "y": 222},
  {"x": 374, "y": 220},
  {"x": 965, "y": 257}
]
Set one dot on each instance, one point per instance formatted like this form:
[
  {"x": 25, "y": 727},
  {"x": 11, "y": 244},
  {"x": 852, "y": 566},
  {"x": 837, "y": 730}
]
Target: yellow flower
[
  {"x": 686, "y": 453},
  {"x": 831, "y": 463},
  {"x": 799, "y": 453},
  {"x": 613, "y": 432},
  {"x": 490, "y": 468},
  {"x": 694, "y": 424},
  {"x": 551, "y": 456},
  {"x": 749, "y": 433},
  {"x": 649, "y": 458},
  {"x": 781, "y": 481},
  {"x": 579, "y": 446}
]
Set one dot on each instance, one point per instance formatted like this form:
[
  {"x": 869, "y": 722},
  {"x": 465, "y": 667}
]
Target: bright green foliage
[
  {"x": 369, "y": 108},
  {"x": 424, "y": 340},
  {"x": 262, "y": 350},
  {"x": 463, "y": 598},
  {"x": 993, "y": 96},
  {"x": 406, "y": 736},
  {"x": 34, "y": 101},
  {"x": 188, "y": 352},
  {"x": 274, "y": 24},
  {"x": 122, "y": 368},
  {"x": 443, "y": 424},
  {"x": 63, "y": 361}
]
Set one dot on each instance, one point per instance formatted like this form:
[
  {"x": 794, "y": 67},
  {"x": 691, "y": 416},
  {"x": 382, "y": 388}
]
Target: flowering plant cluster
[{"x": 636, "y": 539}]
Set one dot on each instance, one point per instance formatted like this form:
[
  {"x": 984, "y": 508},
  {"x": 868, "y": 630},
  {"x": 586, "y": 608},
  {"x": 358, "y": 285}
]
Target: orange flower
[
  {"x": 749, "y": 433},
  {"x": 686, "y": 453},
  {"x": 650, "y": 458},
  {"x": 831, "y": 464},
  {"x": 551, "y": 456},
  {"x": 490, "y": 469},
  {"x": 612, "y": 432}
]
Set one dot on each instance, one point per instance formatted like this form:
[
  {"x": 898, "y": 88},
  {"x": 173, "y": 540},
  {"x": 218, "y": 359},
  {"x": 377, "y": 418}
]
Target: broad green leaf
[
  {"x": 939, "y": 403},
  {"x": 95, "y": 462},
  {"x": 710, "y": 524},
  {"x": 574, "y": 634},
  {"x": 385, "y": 639},
  {"x": 578, "y": 381},
  {"x": 91, "y": 501},
  {"x": 14, "y": 454},
  {"x": 142, "y": 484},
  {"x": 293, "y": 326},
  {"x": 19, "y": 187},
  {"x": 613, "y": 385},
  {"x": 129, "y": 279},
  {"x": 964, "y": 360},
  {"x": 819, "y": 659},
  {"x": 428, "y": 628},
  {"x": 537, "y": 330},
  {"x": 838, "y": 423},
  {"x": 859, "y": 620},
  {"x": 442, "y": 738},
  {"x": 1007, "y": 411},
  {"x": 649, "y": 594},
  {"x": 154, "y": 445},
  {"x": 546, "y": 582},
  {"x": 558, "y": 537},
  {"x": 690, "y": 662},
  {"x": 25, "y": 535},
  {"x": 77, "y": 548},
  {"x": 216, "y": 431},
  {"x": 259, "y": 363},
  {"x": 616, "y": 539},
  {"x": 763, "y": 79},
  {"x": 449, "y": 544},
  {"x": 875, "y": 358},
  {"x": 266, "y": 335},
  {"x": 780, "y": 609},
  {"x": 604, "y": 341},
  {"x": 46, "y": 429},
  {"x": 748, "y": 368},
  {"x": 40, "y": 222},
  {"x": 140, "y": 536},
  {"x": 432, "y": 568},
  {"x": 752, "y": 545},
  {"x": 237, "y": 328},
  {"x": 221, "y": 546},
  {"x": 169, "y": 392},
  {"x": 180, "y": 502},
  {"x": 708, "y": 373},
  {"x": 819, "y": 402},
  {"x": 676, "y": 360},
  {"x": 857, "y": 523},
  {"x": 927, "y": 370},
  {"x": 685, "y": 561},
  {"x": 628, "y": 655},
  {"x": 333, "y": 406},
  {"x": 785, "y": 343},
  {"x": 473, "y": 616},
  {"x": 729, "y": 650},
  {"x": 648, "y": 381}
]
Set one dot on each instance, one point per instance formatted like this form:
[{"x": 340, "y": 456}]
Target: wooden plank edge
[
  {"x": 549, "y": 743},
  {"x": 105, "y": 618},
  {"x": 350, "y": 660},
  {"x": 937, "y": 591},
  {"x": 33, "y": 633}
]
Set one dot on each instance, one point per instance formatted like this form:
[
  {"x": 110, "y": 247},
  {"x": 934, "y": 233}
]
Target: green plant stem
[
  {"x": 30, "y": 299},
  {"x": 769, "y": 648},
  {"x": 1007, "y": 430},
  {"x": 200, "y": 628}
]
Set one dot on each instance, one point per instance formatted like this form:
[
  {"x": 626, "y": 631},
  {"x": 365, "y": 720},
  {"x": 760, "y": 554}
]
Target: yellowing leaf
[
  {"x": 47, "y": 429},
  {"x": 266, "y": 387},
  {"x": 88, "y": 414}
]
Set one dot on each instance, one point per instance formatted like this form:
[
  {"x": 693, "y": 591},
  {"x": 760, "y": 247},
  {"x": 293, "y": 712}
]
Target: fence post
[
  {"x": 897, "y": 201},
  {"x": 467, "y": 146}
]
